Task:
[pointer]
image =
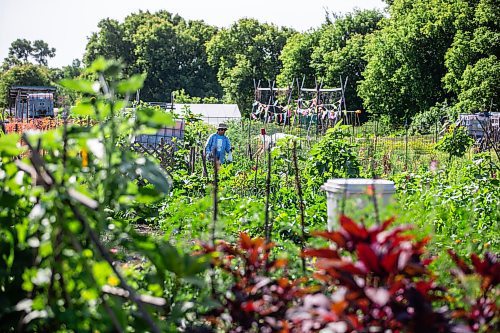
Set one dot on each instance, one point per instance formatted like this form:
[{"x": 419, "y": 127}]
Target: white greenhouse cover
[{"x": 212, "y": 114}]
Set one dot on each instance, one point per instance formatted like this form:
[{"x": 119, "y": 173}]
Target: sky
[{"x": 66, "y": 25}]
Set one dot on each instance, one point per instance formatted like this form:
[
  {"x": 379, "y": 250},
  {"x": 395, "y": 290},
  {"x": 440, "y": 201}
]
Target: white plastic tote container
[{"x": 354, "y": 188}]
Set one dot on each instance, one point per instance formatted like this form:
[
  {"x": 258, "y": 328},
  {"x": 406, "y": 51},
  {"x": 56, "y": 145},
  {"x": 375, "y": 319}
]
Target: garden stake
[
  {"x": 192, "y": 154},
  {"x": 204, "y": 164},
  {"x": 214, "y": 217},
  {"x": 256, "y": 169},
  {"x": 406, "y": 144},
  {"x": 267, "y": 229},
  {"x": 216, "y": 203},
  {"x": 375, "y": 203},
  {"x": 112, "y": 315},
  {"x": 301, "y": 203},
  {"x": 249, "y": 146}
]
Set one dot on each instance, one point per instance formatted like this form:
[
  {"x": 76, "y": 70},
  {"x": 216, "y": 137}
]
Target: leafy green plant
[
  {"x": 458, "y": 203},
  {"x": 59, "y": 206},
  {"x": 429, "y": 121},
  {"x": 332, "y": 157},
  {"x": 455, "y": 142}
]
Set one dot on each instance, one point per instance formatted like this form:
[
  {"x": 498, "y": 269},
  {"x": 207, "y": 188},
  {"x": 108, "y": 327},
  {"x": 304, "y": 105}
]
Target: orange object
[{"x": 85, "y": 158}]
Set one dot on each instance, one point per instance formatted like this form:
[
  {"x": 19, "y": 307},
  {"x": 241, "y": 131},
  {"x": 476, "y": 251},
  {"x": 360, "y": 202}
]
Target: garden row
[{"x": 73, "y": 261}]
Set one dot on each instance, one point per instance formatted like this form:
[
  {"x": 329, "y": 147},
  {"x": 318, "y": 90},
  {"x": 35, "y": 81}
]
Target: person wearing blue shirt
[{"x": 218, "y": 144}]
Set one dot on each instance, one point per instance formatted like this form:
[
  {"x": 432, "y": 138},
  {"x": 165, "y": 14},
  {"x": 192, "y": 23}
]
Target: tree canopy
[
  {"x": 22, "y": 75},
  {"x": 472, "y": 65},
  {"x": 246, "y": 51},
  {"x": 21, "y": 50},
  {"x": 413, "y": 58},
  {"x": 341, "y": 52},
  {"x": 296, "y": 57},
  {"x": 169, "y": 49},
  {"x": 406, "y": 58}
]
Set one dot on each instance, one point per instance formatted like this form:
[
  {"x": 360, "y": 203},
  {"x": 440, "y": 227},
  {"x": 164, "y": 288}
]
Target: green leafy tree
[
  {"x": 348, "y": 63},
  {"x": 472, "y": 60},
  {"x": 406, "y": 58},
  {"x": 41, "y": 51},
  {"x": 246, "y": 51},
  {"x": 335, "y": 35},
  {"x": 22, "y": 75},
  {"x": 20, "y": 49},
  {"x": 479, "y": 86},
  {"x": 180, "y": 96},
  {"x": 202, "y": 77},
  {"x": 67, "y": 72},
  {"x": 73, "y": 71},
  {"x": 169, "y": 49},
  {"x": 336, "y": 49},
  {"x": 167, "y": 56},
  {"x": 109, "y": 42},
  {"x": 132, "y": 24},
  {"x": 296, "y": 57}
]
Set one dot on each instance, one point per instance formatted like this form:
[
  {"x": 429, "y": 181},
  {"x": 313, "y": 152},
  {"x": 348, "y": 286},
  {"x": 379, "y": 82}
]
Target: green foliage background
[{"x": 399, "y": 63}]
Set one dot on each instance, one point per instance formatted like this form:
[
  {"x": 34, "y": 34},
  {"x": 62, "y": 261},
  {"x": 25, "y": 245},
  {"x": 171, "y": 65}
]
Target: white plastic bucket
[{"x": 353, "y": 188}]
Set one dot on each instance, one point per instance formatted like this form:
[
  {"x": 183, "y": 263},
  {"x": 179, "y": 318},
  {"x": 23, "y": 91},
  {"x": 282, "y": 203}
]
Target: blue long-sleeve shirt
[{"x": 220, "y": 144}]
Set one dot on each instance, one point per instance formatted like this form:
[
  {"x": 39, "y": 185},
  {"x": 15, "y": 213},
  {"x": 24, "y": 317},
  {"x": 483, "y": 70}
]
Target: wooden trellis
[
  {"x": 164, "y": 152},
  {"x": 272, "y": 103},
  {"x": 316, "y": 108}
]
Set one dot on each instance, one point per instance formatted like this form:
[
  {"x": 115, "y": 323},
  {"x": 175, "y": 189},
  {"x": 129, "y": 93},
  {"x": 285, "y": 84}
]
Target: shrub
[
  {"x": 71, "y": 199},
  {"x": 332, "y": 157},
  {"x": 429, "y": 121},
  {"x": 381, "y": 279},
  {"x": 455, "y": 142}
]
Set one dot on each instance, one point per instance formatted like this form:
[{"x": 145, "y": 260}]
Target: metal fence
[
  {"x": 378, "y": 153},
  {"x": 166, "y": 135}
]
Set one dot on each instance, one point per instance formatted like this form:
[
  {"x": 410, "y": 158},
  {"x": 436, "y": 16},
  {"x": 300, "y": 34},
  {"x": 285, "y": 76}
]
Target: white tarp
[{"x": 212, "y": 114}]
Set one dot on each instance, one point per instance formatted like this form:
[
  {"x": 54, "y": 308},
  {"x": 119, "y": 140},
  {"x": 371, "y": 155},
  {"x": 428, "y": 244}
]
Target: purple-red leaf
[
  {"x": 352, "y": 228},
  {"x": 334, "y": 236},
  {"x": 368, "y": 257},
  {"x": 321, "y": 253},
  {"x": 389, "y": 262}
]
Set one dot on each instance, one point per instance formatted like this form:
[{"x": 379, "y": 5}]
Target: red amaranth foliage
[
  {"x": 479, "y": 314},
  {"x": 374, "y": 280},
  {"x": 381, "y": 283},
  {"x": 256, "y": 301}
]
